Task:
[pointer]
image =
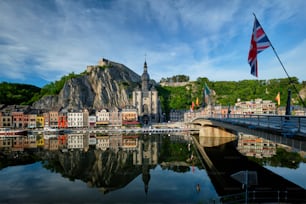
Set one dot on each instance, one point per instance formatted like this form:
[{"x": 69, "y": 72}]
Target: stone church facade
[{"x": 146, "y": 100}]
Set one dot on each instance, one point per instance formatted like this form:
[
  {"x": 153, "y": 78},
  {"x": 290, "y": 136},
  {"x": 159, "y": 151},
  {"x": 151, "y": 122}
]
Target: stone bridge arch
[
  {"x": 212, "y": 134},
  {"x": 209, "y": 128}
]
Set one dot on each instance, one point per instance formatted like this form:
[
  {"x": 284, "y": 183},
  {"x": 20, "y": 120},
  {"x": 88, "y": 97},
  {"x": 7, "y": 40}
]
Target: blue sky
[{"x": 42, "y": 40}]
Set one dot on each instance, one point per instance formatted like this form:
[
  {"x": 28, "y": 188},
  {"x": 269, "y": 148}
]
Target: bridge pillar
[{"x": 210, "y": 136}]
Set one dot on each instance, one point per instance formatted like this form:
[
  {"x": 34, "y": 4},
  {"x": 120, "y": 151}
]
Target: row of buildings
[
  {"x": 22, "y": 117},
  {"x": 252, "y": 107}
]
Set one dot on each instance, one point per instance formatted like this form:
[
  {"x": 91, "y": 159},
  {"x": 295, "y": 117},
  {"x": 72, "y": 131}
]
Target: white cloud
[{"x": 195, "y": 38}]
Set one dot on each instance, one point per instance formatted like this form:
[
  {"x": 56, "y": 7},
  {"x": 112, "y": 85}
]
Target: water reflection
[
  {"x": 158, "y": 166},
  {"x": 107, "y": 162},
  {"x": 266, "y": 152},
  {"x": 256, "y": 147},
  {"x": 236, "y": 169}
]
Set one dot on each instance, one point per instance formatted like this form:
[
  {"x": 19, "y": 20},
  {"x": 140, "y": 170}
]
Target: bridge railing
[{"x": 287, "y": 125}]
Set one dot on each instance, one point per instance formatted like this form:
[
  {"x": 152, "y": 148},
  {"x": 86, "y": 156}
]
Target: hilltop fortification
[{"x": 105, "y": 85}]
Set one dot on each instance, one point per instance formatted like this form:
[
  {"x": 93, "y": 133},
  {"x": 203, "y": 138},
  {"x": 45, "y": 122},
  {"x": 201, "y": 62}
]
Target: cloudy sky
[{"x": 42, "y": 40}]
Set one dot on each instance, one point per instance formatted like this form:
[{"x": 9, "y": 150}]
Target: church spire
[
  {"x": 145, "y": 78},
  {"x": 145, "y": 67}
]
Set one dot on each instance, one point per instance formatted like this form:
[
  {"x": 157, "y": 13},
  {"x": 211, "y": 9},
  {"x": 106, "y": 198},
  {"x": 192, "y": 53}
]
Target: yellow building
[{"x": 40, "y": 121}]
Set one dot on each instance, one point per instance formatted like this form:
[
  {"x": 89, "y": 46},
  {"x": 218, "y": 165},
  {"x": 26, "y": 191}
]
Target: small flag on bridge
[
  {"x": 206, "y": 90},
  {"x": 197, "y": 101},
  {"x": 277, "y": 98}
]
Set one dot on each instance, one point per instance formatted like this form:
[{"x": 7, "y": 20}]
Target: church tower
[
  {"x": 146, "y": 100},
  {"x": 145, "y": 78}
]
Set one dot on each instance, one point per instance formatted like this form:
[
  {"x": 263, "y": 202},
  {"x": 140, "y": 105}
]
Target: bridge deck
[{"x": 295, "y": 139}]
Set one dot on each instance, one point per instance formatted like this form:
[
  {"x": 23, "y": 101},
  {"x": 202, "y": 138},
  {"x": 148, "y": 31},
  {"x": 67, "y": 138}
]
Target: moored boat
[{"x": 49, "y": 130}]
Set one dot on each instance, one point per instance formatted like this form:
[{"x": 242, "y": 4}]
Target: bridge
[
  {"x": 287, "y": 130},
  {"x": 225, "y": 165}
]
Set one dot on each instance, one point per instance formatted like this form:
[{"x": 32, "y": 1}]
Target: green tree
[{"x": 14, "y": 93}]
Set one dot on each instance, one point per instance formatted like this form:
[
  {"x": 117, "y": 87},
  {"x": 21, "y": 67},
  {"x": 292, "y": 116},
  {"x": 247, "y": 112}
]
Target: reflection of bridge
[
  {"x": 274, "y": 128},
  {"x": 223, "y": 161}
]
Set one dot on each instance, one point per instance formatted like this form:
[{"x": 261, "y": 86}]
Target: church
[{"x": 146, "y": 101}]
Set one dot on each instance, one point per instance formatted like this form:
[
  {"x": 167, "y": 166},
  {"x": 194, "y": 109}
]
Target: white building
[
  {"x": 75, "y": 119},
  {"x": 257, "y": 106},
  {"x": 102, "y": 117}
]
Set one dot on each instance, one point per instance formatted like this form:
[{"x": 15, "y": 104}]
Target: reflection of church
[
  {"x": 146, "y": 100},
  {"x": 146, "y": 156}
]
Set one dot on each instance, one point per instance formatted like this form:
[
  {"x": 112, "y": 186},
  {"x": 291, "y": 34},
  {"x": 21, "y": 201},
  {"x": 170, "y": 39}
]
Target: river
[{"x": 130, "y": 169}]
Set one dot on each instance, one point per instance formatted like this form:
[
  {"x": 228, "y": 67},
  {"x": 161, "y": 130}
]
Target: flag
[
  {"x": 206, "y": 97},
  {"x": 197, "y": 101},
  {"x": 206, "y": 90},
  {"x": 277, "y": 98},
  {"x": 191, "y": 109},
  {"x": 192, "y": 105},
  {"x": 259, "y": 42}
]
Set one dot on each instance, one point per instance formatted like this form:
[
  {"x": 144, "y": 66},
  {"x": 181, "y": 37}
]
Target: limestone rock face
[
  {"x": 46, "y": 102},
  {"x": 101, "y": 87}
]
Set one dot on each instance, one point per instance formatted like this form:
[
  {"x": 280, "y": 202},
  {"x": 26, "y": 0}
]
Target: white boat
[{"x": 50, "y": 130}]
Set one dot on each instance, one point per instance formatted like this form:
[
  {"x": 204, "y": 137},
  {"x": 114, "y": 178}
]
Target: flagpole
[{"x": 290, "y": 81}]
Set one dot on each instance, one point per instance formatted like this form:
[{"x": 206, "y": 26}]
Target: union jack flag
[{"x": 259, "y": 42}]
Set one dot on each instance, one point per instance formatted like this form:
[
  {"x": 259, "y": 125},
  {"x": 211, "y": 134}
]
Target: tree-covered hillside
[
  {"x": 227, "y": 92},
  {"x": 178, "y": 97},
  {"x": 13, "y": 93},
  {"x": 54, "y": 88}
]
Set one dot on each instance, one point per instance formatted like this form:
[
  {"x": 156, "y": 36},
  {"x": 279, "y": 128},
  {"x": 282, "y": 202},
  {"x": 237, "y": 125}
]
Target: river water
[{"x": 133, "y": 169}]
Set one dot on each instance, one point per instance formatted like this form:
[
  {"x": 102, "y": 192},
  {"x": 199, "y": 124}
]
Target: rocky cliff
[{"x": 102, "y": 87}]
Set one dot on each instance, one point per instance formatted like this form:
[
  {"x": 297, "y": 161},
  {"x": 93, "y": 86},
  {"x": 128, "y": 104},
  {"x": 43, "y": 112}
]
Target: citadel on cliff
[
  {"x": 108, "y": 93},
  {"x": 144, "y": 98}
]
